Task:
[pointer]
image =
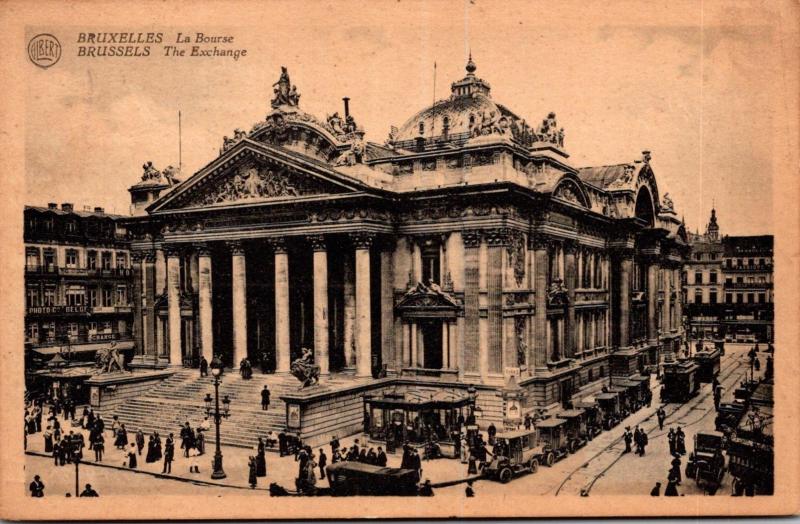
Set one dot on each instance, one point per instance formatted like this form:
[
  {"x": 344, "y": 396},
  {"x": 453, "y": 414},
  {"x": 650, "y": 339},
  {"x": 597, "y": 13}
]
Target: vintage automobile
[
  {"x": 553, "y": 438},
  {"x": 594, "y": 423},
  {"x": 706, "y": 464},
  {"x": 679, "y": 382},
  {"x": 708, "y": 365},
  {"x": 751, "y": 448},
  {"x": 514, "y": 452},
  {"x": 608, "y": 403},
  {"x": 576, "y": 428},
  {"x": 356, "y": 478},
  {"x": 728, "y": 416},
  {"x": 625, "y": 401}
]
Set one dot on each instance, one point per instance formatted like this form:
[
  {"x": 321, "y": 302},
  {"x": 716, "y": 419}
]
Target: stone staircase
[{"x": 179, "y": 398}]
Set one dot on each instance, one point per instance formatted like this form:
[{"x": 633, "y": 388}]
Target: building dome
[{"x": 470, "y": 112}]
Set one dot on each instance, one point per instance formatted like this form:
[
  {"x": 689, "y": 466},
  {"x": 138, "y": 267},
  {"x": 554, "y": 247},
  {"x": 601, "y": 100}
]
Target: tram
[
  {"x": 708, "y": 365},
  {"x": 679, "y": 381}
]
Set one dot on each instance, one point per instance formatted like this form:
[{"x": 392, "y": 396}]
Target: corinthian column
[
  {"x": 282, "y": 351},
  {"x": 571, "y": 281},
  {"x": 538, "y": 349},
  {"x": 320, "y": 303},
  {"x": 204, "y": 303},
  {"x": 362, "y": 243},
  {"x": 239, "y": 296},
  {"x": 174, "y": 306}
]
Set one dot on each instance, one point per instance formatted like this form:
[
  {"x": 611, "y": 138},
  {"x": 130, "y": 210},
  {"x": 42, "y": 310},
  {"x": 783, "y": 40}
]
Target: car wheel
[
  {"x": 533, "y": 465},
  {"x": 551, "y": 457},
  {"x": 505, "y": 475},
  {"x": 572, "y": 447}
]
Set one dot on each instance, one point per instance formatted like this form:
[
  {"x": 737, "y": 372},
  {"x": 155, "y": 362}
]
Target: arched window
[{"x": 422, "y": 128}]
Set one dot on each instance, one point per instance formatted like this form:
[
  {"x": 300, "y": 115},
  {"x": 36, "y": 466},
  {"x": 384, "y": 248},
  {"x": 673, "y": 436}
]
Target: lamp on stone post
[{"x": 212, "y": 409}]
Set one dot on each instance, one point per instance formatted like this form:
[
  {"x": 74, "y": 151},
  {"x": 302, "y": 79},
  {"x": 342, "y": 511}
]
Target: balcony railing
[
  {"x": 748, "y": 285},
  {"x": 77, "y": 271},
  {"x": 748, "y": 267}
]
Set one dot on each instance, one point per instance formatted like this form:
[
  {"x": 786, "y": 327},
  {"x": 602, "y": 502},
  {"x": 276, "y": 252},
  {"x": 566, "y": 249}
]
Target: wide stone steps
[{"x": 179, "y": 398}]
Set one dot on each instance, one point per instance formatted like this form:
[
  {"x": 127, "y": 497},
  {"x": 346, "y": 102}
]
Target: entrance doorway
[{"x": 432, "y": 343}]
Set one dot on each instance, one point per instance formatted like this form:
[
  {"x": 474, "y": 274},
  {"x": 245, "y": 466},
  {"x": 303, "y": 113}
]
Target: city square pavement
[{"x": 601, "y": 466}]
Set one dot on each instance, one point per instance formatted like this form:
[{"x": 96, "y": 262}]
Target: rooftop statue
[
  {"x": 666, "y": 203},
  {"x": 285, "y": 93},
  {"x": 150, "y": 172}
]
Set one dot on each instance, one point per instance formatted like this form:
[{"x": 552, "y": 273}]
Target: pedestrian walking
[
  {"x": 139, "y": 441},
  {"x": 121, "y": 442},
  {"x": 628, "y": 438},
  {"x": 492, "y": 432},
  {"x": 99, "y": 446},
  {"x": 381, "y": 457},
  {"x": 323, "y": 461},
  {"x": 675, "y": 471},
  {"x": 132, "y": 460},
  {"x": 656, "y": 491},
  {"x": 261, "y": 459},
  {"x": 644, "y": 441},
  {"x": 662, "y": 416},
  {"x": 265, "y": 394},
  {"x": 36, "y": 487},
  {"x": 637, "y": 439},
  {"x": 671, "y": 440},
  {"x": 48, "y": 440},
  {"x": 187, "y": 439},
  {"x": 252, "y": 477},
  {"x": 203, "y": 367},
  {"x": 680, "y": 442},
  {"x": 169, "y": 454}
]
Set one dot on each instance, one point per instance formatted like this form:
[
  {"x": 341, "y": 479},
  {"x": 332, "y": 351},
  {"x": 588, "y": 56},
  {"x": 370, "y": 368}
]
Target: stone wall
[{"x": 108, "y": 392}]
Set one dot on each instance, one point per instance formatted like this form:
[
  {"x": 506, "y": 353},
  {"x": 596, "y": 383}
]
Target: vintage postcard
[{"x": 409, "y": 259}]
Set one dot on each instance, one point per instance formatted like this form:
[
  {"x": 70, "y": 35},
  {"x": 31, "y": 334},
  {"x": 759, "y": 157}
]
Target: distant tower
[{"x": 712, "y": 230}]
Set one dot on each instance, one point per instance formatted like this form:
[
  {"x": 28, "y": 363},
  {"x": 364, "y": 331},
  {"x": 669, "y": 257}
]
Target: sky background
[{"x": 695, "y": 83}]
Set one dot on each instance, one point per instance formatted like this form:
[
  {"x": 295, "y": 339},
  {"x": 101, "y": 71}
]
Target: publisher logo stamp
[{"x": 44, "y": 50}]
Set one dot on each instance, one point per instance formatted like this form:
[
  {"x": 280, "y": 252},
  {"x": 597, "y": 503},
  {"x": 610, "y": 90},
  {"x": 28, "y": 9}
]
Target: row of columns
[{"x": 357, "y": 326}]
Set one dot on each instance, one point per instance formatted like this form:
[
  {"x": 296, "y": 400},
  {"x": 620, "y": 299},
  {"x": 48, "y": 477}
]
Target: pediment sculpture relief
[{"x": 260, "y": 183}]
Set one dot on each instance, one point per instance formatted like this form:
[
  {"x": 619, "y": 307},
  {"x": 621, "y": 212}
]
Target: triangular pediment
[{"x": 253, "y": 173}]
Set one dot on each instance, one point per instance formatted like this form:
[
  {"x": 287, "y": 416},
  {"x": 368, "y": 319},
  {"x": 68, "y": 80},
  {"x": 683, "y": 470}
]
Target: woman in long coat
[
  {"x": 158, "y": 453},
  {"x": 121, "y": 442},
  {"x": 261, "y": 459},
  {"x": 139, "y": 441},
  {"x": 132, "y": 462},
  {"x": 151, "y": 450},
  {"x": 48, "y": 440}
]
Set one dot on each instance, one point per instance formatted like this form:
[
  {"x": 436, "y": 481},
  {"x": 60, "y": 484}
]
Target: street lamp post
[{"x": 216, "y": 372}]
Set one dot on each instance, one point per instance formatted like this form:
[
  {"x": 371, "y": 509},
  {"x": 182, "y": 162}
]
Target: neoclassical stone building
[{"x": 466, "y": 249}]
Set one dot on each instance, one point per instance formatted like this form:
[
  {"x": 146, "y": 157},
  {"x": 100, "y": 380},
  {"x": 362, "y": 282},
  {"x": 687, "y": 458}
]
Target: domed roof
[{"x": 468, "y": 105}]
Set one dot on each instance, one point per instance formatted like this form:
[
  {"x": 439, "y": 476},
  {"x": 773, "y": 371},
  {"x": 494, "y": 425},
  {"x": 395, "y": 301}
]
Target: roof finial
[{"x": 471, "y": 67}]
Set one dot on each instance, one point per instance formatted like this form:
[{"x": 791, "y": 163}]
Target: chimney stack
[
  {"x": 52, "y": 205},
  {"x": 346, "y": 106},
  {"x": 67, "y": 207}
]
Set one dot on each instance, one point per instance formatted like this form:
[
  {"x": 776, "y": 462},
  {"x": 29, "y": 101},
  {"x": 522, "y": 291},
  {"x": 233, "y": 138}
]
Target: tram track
[{"x": 590, "y": 478}]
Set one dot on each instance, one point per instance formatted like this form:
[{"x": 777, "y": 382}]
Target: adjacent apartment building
[
  {"x": 77, "y": 282},
  {"x": 728, "y": 286}
]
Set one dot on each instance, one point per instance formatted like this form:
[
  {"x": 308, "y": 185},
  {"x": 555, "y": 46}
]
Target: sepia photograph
[{"x": 400, "y": 259}]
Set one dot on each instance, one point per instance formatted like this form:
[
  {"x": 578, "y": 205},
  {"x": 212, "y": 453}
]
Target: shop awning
[{"x": 83, "y": 348}]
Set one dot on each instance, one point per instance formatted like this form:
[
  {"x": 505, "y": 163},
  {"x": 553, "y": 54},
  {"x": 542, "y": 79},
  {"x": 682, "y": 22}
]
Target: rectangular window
[
  {"x": 76, "y": 296},
  {"x": 698, "y": 277},
  {"x": 92, "y": 327},
  {"x": 122, "y": 296},
  {"x": 698, "y": 297},
  {"x": 71, "y": 226},
  {"x": 712, "y": 277},
  {"x": 740, "y": 280},
  {"x": 740, "y": 298},
  {"x": 106, "y": 257},
  {"x": 729, "y": 298},
  {"x": 93, "y": 297},
  {"x": 32, "y": 258},
  {"x": 49, "y": 329},
  {"x": 712, "y": 297},
  {"x": 91, "y": 259},
  {"x": 49, "y": 258},
  {"x": 750, "y": 262},
  {"x": 71, "y": 258},
  {"x": 107, "y": 297},
  {"x": 49, "y": 296},
  {"x": 750, "y": 298},
  {"x": 122, "y": 260},
  {"x": 729, "y": 280},
  {"x": 33, "y": 331},
  {"x": 762, "y": 298},
  {"x": 72, "y": 329},
  {"x": 32, "y": 297}
]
